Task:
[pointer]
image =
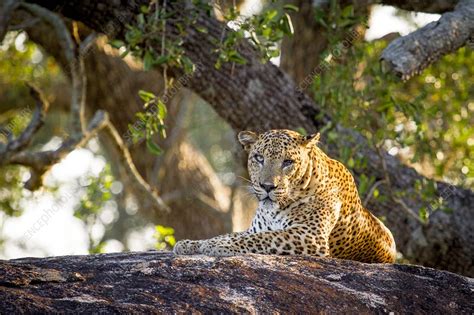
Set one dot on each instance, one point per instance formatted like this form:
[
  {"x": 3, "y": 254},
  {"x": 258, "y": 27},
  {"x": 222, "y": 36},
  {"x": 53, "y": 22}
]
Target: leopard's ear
[
  {"x": 247, "y": 138},
  {"x": 311, "y": 140}
]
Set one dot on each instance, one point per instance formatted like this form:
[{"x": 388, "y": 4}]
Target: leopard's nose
[{"x": 268, "y": 186}]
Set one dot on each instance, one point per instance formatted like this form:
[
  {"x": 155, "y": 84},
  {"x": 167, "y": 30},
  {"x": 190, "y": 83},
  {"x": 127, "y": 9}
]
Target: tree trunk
[
  {"x": 260, "y": 96},
  {"x": 159, "y": 282}
]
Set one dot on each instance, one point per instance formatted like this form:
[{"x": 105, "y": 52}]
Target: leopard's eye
[
  {"x": 258, "y": 158},
  {"x": 287, "y": 163}
]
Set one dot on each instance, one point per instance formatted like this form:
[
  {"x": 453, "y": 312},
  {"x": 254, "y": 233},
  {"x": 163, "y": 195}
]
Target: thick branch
[
  {"x": 75, "y": 62},
  {"x": 410, "y": 54},
  {"x": 427, "y": 6},
  {"x": 6, "y": 9},
  {"x": 41, "y": 162},
  {"x": 36, "y": 122}
]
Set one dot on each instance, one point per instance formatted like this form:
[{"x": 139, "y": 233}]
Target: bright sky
[
  {"x": 48, "y": 227},
  {"x": 48, "y": 224},
  {"x": 384, "y": 21}
]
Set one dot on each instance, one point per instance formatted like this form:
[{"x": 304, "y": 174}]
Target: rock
[{"x": 159, "y": 282}]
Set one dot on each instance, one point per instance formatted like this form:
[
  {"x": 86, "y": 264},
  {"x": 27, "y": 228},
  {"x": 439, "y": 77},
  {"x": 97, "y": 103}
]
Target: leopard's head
[{"x": 277, "y": 163}]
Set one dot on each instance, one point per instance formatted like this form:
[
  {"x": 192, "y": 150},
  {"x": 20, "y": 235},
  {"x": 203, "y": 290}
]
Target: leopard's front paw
[
  {"x": 215, "y": 250},
  {"x": 186, "y": 247}
]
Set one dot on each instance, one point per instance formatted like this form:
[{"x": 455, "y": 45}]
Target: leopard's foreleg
[{"x": 293, "y": 241}]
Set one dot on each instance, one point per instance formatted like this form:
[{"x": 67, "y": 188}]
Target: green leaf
[
  {"x": 141, "y": 19},
  {"x": 350, "y": 163},
  {"x": 116, "y": 43},
  {"x": 423, "y": 214},
  {"x": 170, "y": 239},
  {"x": 153, "y": 147},
  {"x": 162, "y": 129},
  {"x": 188, "y": 65},
  {"x": 302, "y": 131},
  {"x": 134, "y": 36},
  {"x": 319, "y": 17},
  {"x": 125, "y": 53},
  {"x": 164, "y": 230},
  {"x": 271, "y": 14},
  {"x": 146, "y": 96},
  {"x": 144, "y": 9},
  {"x": 162, "y": 59},
  {"x": 348, "y": 11},
  {"x": 234, "y": 56},
  {"x": 376, "y": 193},
  {"x": 287, "y": 25},
  {"x": 291, "y": 7},
  {"x": 266, "y": 32},
  {"x": 161, "y": 110},
  {"x": 202, "y": 29},
  {"x": 273, "y": 53},
  {"x": 148, "y": 61}
]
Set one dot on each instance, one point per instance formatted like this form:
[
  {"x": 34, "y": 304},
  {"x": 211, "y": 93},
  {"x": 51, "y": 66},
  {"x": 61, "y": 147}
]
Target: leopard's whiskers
[{"x": 246, "y": 179}]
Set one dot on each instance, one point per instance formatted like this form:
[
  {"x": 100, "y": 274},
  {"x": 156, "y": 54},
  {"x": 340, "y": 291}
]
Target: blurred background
[{"x": 87, "y": 205}]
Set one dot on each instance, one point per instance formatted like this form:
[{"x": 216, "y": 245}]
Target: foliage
[
  {"x": 150, "y": 121},
  {"x": 96, "y": 195},
  {"x": 164, "y": 237},
  {"x": 140, "y": 40},
  {"x": 337, "y": 20},
  {"x": 264, "y": 30},
  {"x": 11, "y": 188},
  {"x": 11, "y": 183},
  {"x": 23, "y": 61},
  {"x": 426, "y": 120},
  {"x": 20, "y": 61}
]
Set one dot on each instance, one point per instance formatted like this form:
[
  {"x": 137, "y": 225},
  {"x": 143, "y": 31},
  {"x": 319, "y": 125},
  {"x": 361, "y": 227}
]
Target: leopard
[{"x": 308, "y": 204}]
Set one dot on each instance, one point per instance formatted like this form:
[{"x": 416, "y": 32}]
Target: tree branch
[
  {"x": 410, "y": 54},
  {"x": 141, "y": 188},
  {"x": 41, "y": 162},
  {"x": 426, "y": 6},
  {"x": 6, "y": 9},
  {"x": 75, "y": 61},
  {"x": 36, "y": 122}
]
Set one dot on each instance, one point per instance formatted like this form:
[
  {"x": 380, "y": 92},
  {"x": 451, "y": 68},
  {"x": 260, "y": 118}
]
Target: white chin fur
[{"x": 268, "y": 204}]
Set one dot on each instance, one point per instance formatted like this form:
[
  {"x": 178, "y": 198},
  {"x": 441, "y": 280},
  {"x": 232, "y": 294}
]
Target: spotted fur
[{"x": 308, "y": 204}]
